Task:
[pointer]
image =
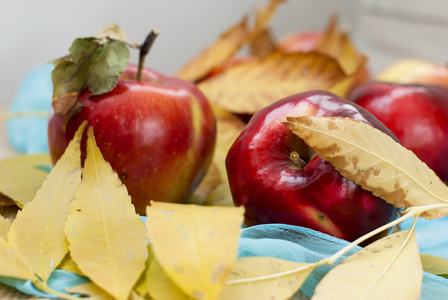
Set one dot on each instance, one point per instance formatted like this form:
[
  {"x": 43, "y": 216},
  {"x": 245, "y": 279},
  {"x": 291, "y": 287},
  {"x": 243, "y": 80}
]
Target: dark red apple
[
  {"x": 417, "y": 114},
  {"x": 158, "y": 134},
  {"x": 279, "y": 179}
]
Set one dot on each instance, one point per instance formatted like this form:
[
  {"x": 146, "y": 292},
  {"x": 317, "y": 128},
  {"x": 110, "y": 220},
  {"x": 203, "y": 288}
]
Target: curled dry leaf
[
  {"x": 218, "y": 53},
  {"x": 21, "y": 177},
  {"x": 195, "y": 245},
  {"x": 113, "y": 31},
  {"x": 389, "y": 268},
  {"x": 265, "y": 278},
  {"x": 434, "y": 264},
  {"x": 228, "y": 44},
  {"x": 374, "y": 161},
  {"x": 247, "y": 87},
  {"x": 44, "y": 244},
  {"x": 107, "y": 239}
]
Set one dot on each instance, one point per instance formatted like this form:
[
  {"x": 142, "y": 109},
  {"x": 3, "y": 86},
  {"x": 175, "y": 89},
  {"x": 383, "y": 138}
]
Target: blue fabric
[
  {"x": 275, "y": 240},
  {"x": 29, "y": 135}
]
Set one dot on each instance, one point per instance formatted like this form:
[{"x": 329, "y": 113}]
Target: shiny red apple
[
  {"x": 279, "y": 179},
  {"x": 417, "y": 114},
  {"x": 158, "y": 134}
]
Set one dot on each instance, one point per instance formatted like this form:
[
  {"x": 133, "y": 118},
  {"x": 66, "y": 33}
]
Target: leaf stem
[{"x": 144, "y": 49}]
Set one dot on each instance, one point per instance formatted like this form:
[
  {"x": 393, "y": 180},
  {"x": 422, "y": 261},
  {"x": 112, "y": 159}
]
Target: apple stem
[
  {"x": 144, "y": 49},
  {"x": 295, "y": 157}
]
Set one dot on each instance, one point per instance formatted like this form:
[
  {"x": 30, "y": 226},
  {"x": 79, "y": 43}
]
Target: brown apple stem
[
  {"x": 295, "y": 157},
  {"x": 144, "y": 49}
]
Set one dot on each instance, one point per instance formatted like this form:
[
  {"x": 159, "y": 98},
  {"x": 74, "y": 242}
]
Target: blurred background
[{"x": 35, "y": 32}]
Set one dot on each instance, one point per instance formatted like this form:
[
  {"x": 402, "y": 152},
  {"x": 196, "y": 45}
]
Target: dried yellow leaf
[
  {"x": 195, "y": 245},
  {"x": 5, "y": 224},
  {"x": 374, "y": 161},
  {"x": 12, "y": 263},
  {"x": 22, "y": 176},
  {"x": 160, "y": 286},
  {"x": 265, "y": 278},
  {"x": 218, "y": 53},
  {"x": 91, "y": 290},
  {"x": 434, "y": 264},
  {"x": 43, "y": 244},
  {"x": 68, "y": 264},
  {"x": 389, "y": 268},
  {"x": 247, "y": 87},
  {"x": 107, "y": 239}
]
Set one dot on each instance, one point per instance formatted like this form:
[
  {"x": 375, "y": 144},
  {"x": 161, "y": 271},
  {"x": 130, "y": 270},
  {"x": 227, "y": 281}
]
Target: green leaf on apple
[{"x": 93, "y": 63}]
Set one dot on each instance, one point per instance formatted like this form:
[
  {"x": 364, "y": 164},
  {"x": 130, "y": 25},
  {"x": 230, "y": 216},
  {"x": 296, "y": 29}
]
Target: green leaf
[
  {"x": 108, "y": 65},
  {"x": 94, "y": 63}
]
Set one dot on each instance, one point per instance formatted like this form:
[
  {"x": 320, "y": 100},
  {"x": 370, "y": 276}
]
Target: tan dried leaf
[
  {"x": 215, "y": 55},
  {"x": 5, "y": 224},
  {"x": 44, "y": 244},
  {"x": 265, "y": 278},
  {"x": 389, "y": 268},
  {"x": 434, "y": 264},
  {"x": 113, "y": 31},
  {"x": 207, "y": 244},
  {"x": 107, "y": 239},
  {"x": 21, "y": 177},
  {"x": 247, "y": 87},
  {"x": 373, "y": 160},
  {"x": 12, "y": 263}
]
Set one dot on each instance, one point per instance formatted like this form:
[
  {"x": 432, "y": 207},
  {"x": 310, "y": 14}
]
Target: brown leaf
[
  {"x": 218, "y": 53},
  {"x": 228, "y": 44},
  {"x": 248, "y": 87},
  {"x": 336, "y": 43}
]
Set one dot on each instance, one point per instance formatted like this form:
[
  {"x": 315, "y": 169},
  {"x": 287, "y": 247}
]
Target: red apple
[
  {"x": 417, "y": 114},
  {"x": 415, "y": 71},
  {"x": 300, "y": 41},
  {"x": 279, "y": 179},
  {"x": 158, "y": 134}
]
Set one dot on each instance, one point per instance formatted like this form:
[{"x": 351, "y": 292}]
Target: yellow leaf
[
  {"x": 141, "y": 287},
  {"x": 91, "y": 290},
  {"x": 389, "y": 268},
  {"x": 221, "y": 196},
  {"x": 374, "y": 161},
  {"x": 228, "y": 128},
  {"x": 22, "y": 176},
  {"x": 38, "y": 230},
  {"x": 247, "y": 87},
  {"x": 434, "y": 264},
  {"x": 346, "y": 85},
  {"x": 218, "y": 53},
  {"x": 5, "y": 224},
  {"x": 195, "y": 245},
  {"x": 265, "y": 278},
  {"x": 12, "y": 264},
  {"x": 107, "y": 239},
  {"x": 68, "y": 264},
  {"x": 160, "y": 286}
]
